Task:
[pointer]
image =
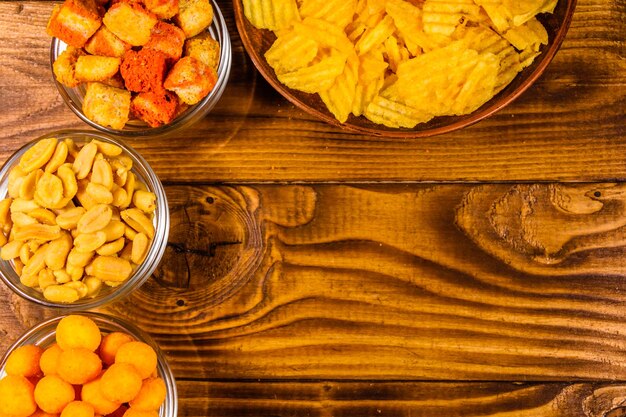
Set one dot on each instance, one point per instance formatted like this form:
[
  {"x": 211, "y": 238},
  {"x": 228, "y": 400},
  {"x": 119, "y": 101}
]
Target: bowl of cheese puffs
[{"x": 139, "y": 68}]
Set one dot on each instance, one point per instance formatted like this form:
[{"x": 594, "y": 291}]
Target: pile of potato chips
[{"x": 400, "y": 62}]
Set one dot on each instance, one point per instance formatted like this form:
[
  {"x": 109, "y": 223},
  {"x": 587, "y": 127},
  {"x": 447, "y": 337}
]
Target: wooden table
[{"x": 314, "y": 272}]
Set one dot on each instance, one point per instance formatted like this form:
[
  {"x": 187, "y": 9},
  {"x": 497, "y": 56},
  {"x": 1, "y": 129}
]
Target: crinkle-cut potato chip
[
  {"x": 318, "y": 77},
  {"x": 291, "y": 52},
  {"x": 340, "y": 96},
  {"x": 339, "y": 12},
  {"x": 530, "y": 35},
  {"x": 400, "y": 62},
  {"x": 375, "y": 36},
  {"x": 271, "y": 14},
  {"x": 325, "y": 34}
]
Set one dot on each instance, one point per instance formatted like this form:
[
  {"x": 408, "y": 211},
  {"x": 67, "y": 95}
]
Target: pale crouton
[
  {"x": 64, "y": 67},
  {"x": 107, "y": 106},
  {"x": 105, "y": 43},
  {"x": 205, "y": 49},
  {"x": 96, "y": 68},
  {"x": 115, "y": 81},
  {"x": 156, "y": 108},
  {"x": 164, "y": 9},
  {"x": 194, "y": 16},
  {"x": 130, "y": 22},
  {"x": 191, "y": 80},
  {"x": 144, "y": 70},
  {"x": 75, "y": 21},
  {"x": 168, "y": 39}
]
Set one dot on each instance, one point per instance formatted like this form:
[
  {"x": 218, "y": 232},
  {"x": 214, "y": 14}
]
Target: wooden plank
[
  {"x": 573, "y": 115},
  {"x": 399, "y": 399},
  {"x": 444, "y": 282}
]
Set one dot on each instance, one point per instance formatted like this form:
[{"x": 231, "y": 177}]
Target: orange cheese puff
[
  {"x": 75, "y": 21},
  {"x": 16, "y": 396},
  {"x": 92, "y": 394},
  {"x": 24, "y": 361},
  {"x": 50, "y": 359},
  {"x": 144, "y": 70},
  {"x": 41, "y": 413},
  {"x": 110, "y": 344},
  {"x": 151, "y": 395},
  {"x": 52, "y": 394},
  {"x": 156, "y": 108},
  {"x": 191, "y": 80},
  {"x": 78, "y": 409},
  {"x": 121, "y": 382},
  {"x": 79, "y": 366},
  {"x": 133, "y": 412},
  {"x": 168, "y": 39},
  {"x": 140, "y": 355},
  {"x": 76, "y": 331}
]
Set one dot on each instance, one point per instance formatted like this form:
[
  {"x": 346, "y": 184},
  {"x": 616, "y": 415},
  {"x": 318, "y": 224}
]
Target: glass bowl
[
  {"x": 44, "y": 335},
  {"x": 73, "y": 97},
  {"x": 145, "y": 174}
]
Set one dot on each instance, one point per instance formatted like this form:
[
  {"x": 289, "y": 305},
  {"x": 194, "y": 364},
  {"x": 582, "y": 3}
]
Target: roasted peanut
[
  {"x": 58, "y": 157},
  {"x": 69, "y": 219},
  {"x": 27, "y": 187},
  {"x": 140, "y": 248},
  {"x": 61, "y": 276},
  {"x": 93, "y": 286},
  {"x": 44, "y": 216},
  {"x": 29, "y": 280},
  {"x": 127, "y": 252},
  {"x": 99, "y": 193},
  {"x": 25, "y": 206},
  {"x": 36, "y": 263},
  {"x": 49, "y": 191},
  {"x": 72, "y": 149},
  {"x": 11, "y": 250},
  {"x": 60, "y": 294},
  {"x": 96, "y": 218},
  {"x": 75, "y": 272},
  {"x": 84, "y": 160},
  {"x": 144, "y": 200},
  {"x": 129, "y": 187},
  {"x": 111, "y": 248},
  {"x": 119, "y": 196},
  {"x": 108, "y": 149},
  {"x": 16, "y": 176},
  {"x": 79, "y": 286},
  {"x": 89, "y": 242},
  {"x": 18, "y": 265},
  {"x": 58, "y": 250},
  {"x": 46, "y": 278},
  {"x": 25, "y": 254},
  {"x": 110, "y": 268},
  {"x": 38, "y": 155},
  {"x": 136, "y": 219},
  {"x": 3, "y": 240},
  {"x": 83, "y": 197},
  {"x": 20, "y": 219},
  {"x": 114, "y": 230},
  {"x": 37, "y": 231},
  {"x": 102, "y": 174},
  {"x": 130, "y": 233},
  {"x": 77, "y": 258},
  {"x": 5, "y": 215},
  {"x": 68, "y": 178}
]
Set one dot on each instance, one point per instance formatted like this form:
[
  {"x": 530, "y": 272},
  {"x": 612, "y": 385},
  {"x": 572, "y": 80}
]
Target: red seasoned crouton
[
  {"x": 75, "y": 21},
  {"x": 168, "y": 39},
  {"x": 105, "y": 43},
  {"x": 191, "y": 80},
  {"x": 164, "y": 9},
  {"x": 144, "y": 70},
  {"x": 155, "y": 107},
  {"x": 194, "y": 16},
  {"x": 130, "y": 22}
]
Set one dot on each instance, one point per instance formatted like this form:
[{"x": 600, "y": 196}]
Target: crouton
[
  {"x": 164, "y": 9},
  {"x": 64, "y": 68},
  {"x": 96, "y": 68},
  {"x": 194, "y": 16},
  {"x": 205, "y": 49},
  {"x": 168, "y": 39},
  {"x": 105, "y": 43},
  {"x": 191, "y": 80},
  {"x": 115, "y": 81},
  {"x": 106, "y": 105},
  {"x": 144, "y": 70},
  {"x": 156, "y": 108},
  {"x": 75, "y": 21},
  {"x": 130, "y": 22}
]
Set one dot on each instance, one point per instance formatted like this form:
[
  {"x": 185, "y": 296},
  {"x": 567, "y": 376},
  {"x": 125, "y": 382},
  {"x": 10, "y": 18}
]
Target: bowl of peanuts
[
  {"x": 84, "y": 220},
  {"x": 85, "y": 364}
]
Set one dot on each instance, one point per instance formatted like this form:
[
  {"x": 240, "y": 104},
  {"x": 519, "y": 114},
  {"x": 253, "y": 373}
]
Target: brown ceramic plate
[{"x": 258, "y": 41}]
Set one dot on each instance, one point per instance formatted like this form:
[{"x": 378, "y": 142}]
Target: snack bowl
[
  {"x": 141, "y": 272},
  {"x": 258, "y": 41},
  {"x": 74, "y": 97},
  {"x": 44, "y": 334}
]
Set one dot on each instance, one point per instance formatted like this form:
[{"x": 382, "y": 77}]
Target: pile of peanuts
[
  {"x": 75, "y": 217},
  {"x": 83, "y": 374}
]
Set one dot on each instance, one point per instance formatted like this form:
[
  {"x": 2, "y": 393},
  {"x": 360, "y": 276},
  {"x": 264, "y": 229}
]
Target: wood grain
[
  {"x": 573, "y": 115},
  {"x": 445, "y": 282}
]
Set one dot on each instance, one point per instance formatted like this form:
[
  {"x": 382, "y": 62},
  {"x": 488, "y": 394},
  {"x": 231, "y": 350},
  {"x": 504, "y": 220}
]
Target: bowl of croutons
[
  {"x": 84, "y": 220},
  {"x": 135, "y": 68},
  {"x": 86, "y": 364}
]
